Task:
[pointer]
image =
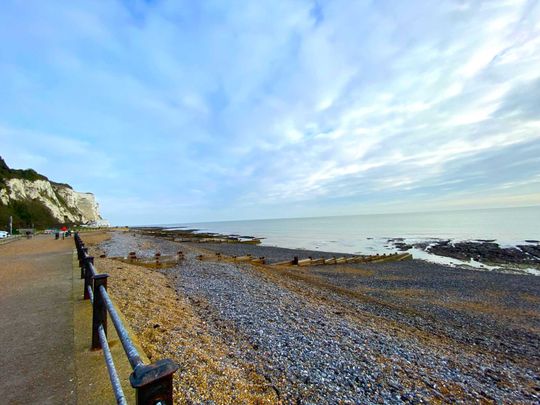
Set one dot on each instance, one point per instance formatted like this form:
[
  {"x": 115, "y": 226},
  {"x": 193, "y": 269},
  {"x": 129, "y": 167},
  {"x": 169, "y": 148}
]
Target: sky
[{"x": 189, "y": 111}]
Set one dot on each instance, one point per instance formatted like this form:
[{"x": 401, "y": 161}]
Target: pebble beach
[{"x": 398, "y": 332}]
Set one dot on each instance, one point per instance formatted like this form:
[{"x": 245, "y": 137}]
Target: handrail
[
  {"x": 131, "y": 352},
  {"x": 152, "y": 382},
  {"x": 115, "y": 381},
  {"x": 90, "y": 294}
]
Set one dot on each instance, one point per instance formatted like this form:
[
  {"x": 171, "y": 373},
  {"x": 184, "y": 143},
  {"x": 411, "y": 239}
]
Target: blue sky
[{"x": 184, "y": 111}]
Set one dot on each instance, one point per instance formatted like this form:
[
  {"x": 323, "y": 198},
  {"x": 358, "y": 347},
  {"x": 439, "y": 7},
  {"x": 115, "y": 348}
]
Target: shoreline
[
  {"x": 474, "y": 254},
  {"x": 391, "y": 332}
]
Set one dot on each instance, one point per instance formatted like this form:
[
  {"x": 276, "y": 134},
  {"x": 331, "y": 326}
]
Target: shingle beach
[{"x": 403, "y": 332}]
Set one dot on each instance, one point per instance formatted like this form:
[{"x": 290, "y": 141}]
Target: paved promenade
[{"x": 36, "y": 318}]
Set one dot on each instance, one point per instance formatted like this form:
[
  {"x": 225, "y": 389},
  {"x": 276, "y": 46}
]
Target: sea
[{"x": 370, "y": 234}]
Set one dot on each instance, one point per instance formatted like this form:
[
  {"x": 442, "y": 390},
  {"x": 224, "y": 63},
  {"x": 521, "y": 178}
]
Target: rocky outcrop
[
  {"x": 21, "y": 189},
  {"x": 487, "y": 252}
]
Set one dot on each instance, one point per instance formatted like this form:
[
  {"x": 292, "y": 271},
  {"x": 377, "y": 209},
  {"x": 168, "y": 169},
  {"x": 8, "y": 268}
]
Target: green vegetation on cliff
[
  {"x": 25, "y": 213},
  {"x": 7, "y": 173}
]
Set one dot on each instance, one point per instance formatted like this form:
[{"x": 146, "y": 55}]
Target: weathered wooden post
[{"x": 132, "y": 256}]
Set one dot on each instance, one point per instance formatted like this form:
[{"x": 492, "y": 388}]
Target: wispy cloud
[{"x": 211, "y": 110}]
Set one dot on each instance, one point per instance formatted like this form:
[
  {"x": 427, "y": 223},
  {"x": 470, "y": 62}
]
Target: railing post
[
  {"x": 82, "y": 271},
  {"x": 87, "y": 275},
  {"x": 99, "y": 310},
  {"x": 153, "y": 382},
  {"x": 84, "y": 253},
  {"x": 80, "y": 253},
  {"x": 81, "y": 258}
]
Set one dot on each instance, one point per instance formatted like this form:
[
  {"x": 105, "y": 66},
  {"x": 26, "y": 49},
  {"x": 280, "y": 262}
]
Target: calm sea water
[{"x": 369, "y": 234}]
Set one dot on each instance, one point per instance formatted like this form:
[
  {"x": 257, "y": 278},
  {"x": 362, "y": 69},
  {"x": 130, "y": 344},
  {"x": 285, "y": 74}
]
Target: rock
[
  {"x": 487, "y": 252},
  {"x": 402, "y": 246}
]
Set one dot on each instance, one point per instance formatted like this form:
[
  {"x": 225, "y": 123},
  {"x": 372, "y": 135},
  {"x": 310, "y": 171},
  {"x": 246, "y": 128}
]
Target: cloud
[{"x": 220, "y": 110}]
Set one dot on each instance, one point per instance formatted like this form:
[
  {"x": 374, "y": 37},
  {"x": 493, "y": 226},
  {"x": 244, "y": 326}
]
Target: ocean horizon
[{"x": 370, "y": 234}]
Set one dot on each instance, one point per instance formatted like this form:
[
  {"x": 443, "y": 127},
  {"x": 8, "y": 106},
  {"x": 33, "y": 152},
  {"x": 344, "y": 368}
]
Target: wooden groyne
[
  {"x": 156, "y": 261},
  {"x": 163, "y": 261},
  {"x": 310, "y": 261}
]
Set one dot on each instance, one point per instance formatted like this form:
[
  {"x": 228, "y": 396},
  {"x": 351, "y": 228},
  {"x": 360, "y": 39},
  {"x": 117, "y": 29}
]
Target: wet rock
[
  {"x": 487, "y": 252},
  {"x": 402, "y": 246}
]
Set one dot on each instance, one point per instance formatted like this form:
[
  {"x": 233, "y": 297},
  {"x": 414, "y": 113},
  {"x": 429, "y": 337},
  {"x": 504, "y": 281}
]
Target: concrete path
[{"x": 36, "y": 322}]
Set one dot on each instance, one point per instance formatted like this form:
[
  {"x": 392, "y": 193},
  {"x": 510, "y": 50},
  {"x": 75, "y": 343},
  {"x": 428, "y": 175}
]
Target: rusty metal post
[
  {"x": 87, "y": 275},
  {"x": 99, "y": 310},
  {"x": 153, "y": 382}
]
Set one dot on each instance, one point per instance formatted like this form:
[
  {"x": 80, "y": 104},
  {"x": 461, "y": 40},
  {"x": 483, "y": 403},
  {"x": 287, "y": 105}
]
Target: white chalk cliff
[{"x": 65, "y": 204}]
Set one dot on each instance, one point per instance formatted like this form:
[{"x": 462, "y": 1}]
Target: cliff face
[{"x": 32, "y": 198}]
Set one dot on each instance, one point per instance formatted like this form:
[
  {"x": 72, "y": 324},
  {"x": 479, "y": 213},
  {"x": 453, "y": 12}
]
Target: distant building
[{"x": 100, "y": 223}]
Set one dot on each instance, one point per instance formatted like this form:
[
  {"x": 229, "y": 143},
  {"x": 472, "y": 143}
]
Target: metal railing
[{"x": 152, "y": 382}]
